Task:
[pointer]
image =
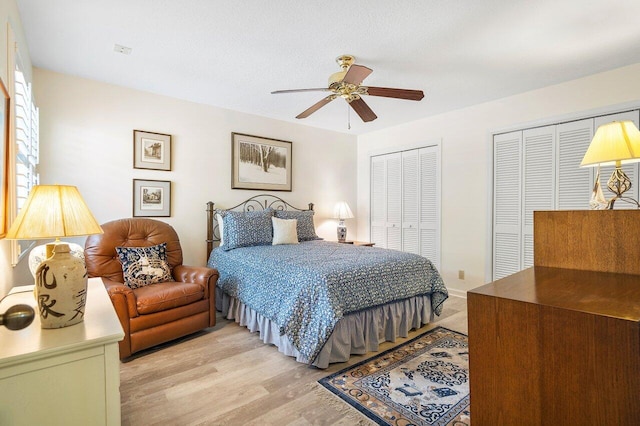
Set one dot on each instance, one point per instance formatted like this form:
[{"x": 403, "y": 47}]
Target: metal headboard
[{"x": 255, "y": 203}]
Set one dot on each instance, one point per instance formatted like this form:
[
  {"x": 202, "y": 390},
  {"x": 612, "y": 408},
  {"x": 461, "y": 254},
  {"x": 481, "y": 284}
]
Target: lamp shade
[
  {"x": 53, "y": 211},
  {"x": 342, "y": 211},
  {"x": 618, "y": 141}
]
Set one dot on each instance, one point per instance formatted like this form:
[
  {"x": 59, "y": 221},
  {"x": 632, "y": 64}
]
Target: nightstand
[
  {"x": 67, "y": 375},
  {"x": 358, "y": 243}
]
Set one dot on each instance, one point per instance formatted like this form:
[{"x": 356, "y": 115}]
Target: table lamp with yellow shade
[
  {"x": 55, "y": 211},
  {"x": 615, "y": 143}
]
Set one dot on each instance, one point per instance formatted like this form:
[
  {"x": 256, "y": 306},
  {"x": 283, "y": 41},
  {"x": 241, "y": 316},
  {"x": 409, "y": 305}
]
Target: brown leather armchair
[{"x": 160, "y": 312}]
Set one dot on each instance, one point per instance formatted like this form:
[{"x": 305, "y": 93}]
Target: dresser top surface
[
  {"x": 100, "y": 326},
  {"x": 600, "y": 293}
]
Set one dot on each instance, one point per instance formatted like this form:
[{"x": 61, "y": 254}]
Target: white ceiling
[{"x": 233, "y": 53}]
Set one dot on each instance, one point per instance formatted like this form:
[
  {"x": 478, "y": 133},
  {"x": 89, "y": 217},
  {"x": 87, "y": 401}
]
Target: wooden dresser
[
  {"x": 559, "y": 343},
  {"x": 62, "y": 376}
]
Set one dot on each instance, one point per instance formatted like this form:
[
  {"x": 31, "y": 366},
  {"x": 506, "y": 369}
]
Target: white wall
[
  {"x": 467, "y": 159},
  {"x": 9, "y": 17},
  {"x": 86, "y": 137}
]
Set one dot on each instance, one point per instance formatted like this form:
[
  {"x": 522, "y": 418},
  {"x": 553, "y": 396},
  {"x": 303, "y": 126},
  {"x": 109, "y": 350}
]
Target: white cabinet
[
  {"x": 405, "y": 201},
  {"x": 394, "y": 201},
  {"x": 410, "y": 202},
  {"x": 507, "y": 203},
  {"x": 64, "y": 376},
  {"x": 539, "y": 169},
  {"x": 386, "y": 199},
  {"x": 538, "y": 182},
  {"x": 429, "y": 203},
  {"x": 378, "y": 201},
  {"x": 574, "y": 182}
]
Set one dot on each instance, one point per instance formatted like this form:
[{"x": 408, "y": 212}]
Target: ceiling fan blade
[
  {"x": 313, "y": 108},
  {"x": 356, "y": 74},
  {"x": 412, "y": 95},
  {"x": 319, "y": 89},
  {"x": 363, "y": 110}
]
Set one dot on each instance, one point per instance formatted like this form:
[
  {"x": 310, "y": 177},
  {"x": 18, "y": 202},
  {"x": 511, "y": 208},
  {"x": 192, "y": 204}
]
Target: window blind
[
  {"x": 26, "y": 152},
  {"x": 27, "y": 139}
]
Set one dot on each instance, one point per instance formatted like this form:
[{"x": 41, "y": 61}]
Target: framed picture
[
  {"x": 151, "y": 198},
  {"x": 4, "y": 164},
  {"x": 260, "y": 163},
  {"x": 151, "y": 150}
]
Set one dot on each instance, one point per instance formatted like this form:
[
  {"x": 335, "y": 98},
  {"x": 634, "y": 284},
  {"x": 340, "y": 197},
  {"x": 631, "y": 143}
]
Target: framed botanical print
[
  {"x": 151, "y": 198},
  {"x": 151, "y": 150},
  {"x": 260, "y": 163}
]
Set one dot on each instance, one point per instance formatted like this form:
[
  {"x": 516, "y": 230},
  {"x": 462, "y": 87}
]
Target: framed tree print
[
  {"x": 260, "y": 163},
  {"x": 151, "y": 150},
  {"x": 151, "y": 198}
]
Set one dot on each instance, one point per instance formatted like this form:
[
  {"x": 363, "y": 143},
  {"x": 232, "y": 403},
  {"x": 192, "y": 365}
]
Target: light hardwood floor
[{"x": 227, "y": 376}]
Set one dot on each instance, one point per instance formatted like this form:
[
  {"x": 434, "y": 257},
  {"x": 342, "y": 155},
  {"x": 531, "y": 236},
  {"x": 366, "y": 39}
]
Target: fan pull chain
[{"x": 348, "y": 117}]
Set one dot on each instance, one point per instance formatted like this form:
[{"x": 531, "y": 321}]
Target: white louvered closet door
[
  {"x": 574, "y": 182},
  {"x": 410, "y": 201},
  {"x": 506, "y": 204},
  {"x": 394, "y": 200},
  {"x": 538, "y": 182},
  {"x": 405, "y": 202},
  {"x": 378, "y": 201},
  {"x": 630, "y": 169},
  {"x": 429, "y": 174},
  {"x": 549, "y": 177}
]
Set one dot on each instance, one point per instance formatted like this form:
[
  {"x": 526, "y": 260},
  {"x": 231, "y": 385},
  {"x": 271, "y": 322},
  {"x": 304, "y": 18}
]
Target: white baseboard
[{"x": 457, "y": 293}]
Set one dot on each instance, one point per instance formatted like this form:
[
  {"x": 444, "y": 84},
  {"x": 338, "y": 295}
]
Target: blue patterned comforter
[{"x": 308, "y": 287}]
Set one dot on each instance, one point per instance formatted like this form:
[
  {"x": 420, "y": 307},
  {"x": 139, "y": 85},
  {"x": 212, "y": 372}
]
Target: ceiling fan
[{"x": 347, "y": 84}]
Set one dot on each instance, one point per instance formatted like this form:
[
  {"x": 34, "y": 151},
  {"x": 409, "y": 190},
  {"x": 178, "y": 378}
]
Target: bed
[{"x": 316, "y": 300}]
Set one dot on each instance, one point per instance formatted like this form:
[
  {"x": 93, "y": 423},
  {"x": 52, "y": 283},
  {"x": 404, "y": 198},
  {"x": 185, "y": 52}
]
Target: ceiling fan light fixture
[
  {"x": 347, "y": 84},
  {"x": 336, "y": 78},
  {"x": 345, "y": 61}
]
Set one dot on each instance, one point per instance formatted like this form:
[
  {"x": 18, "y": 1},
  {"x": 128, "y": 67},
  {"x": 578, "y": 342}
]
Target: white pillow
[
  {"x": 220, "y": 227},
  {"x": 284, "y": 231}
]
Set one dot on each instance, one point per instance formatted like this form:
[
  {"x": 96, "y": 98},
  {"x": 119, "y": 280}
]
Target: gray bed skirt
[{"x": 356, "y": 333}]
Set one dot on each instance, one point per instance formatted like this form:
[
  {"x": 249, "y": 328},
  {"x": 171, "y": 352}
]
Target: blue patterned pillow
[
  {"x": 306, "y": 228},
  {"x": 244, "y": 229},
  {"x": 142, "y": 266}
]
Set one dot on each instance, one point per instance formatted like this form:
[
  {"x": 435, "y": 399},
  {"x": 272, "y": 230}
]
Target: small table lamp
[
  {"x": 342, "y": 212},
  {"x": 615, "y": 143},
  {"x": 54, "y": 211}
]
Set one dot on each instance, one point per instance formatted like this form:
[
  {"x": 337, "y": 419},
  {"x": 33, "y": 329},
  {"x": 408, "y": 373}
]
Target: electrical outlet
[{"x": 461, "y": 274}]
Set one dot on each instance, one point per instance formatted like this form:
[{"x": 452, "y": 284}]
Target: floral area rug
[{"x": 424, "y": 381}]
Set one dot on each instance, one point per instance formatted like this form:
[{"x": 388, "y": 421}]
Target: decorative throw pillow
[
  {"x": 284, "y": 231},
  {"x": 142, "y": 266},
  {"x": 244, "y": 229},
  {"x": 219, "y": 216},
  {"x": 306, "y": 229}
]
